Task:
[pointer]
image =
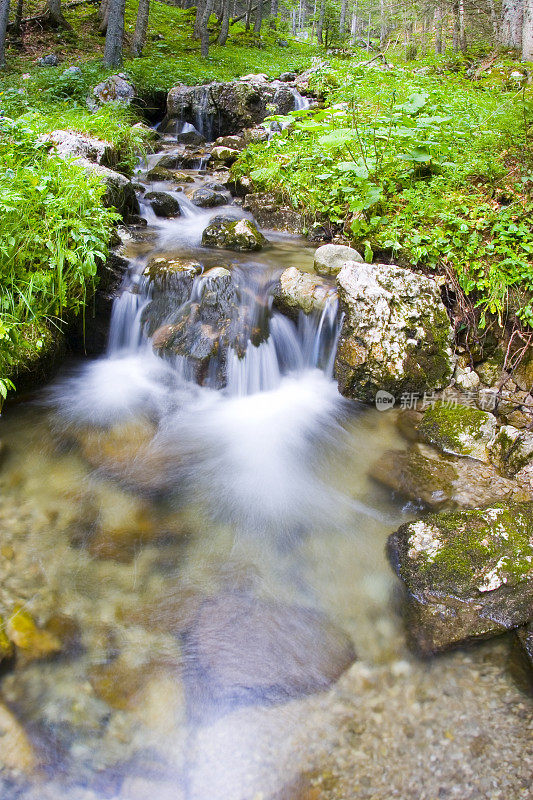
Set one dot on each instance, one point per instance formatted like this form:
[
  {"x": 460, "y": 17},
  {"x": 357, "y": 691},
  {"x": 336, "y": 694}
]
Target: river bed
[{"x": 135, "y": 504}]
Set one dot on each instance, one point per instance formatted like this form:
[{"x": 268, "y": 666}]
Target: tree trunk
[
  {"x": 353, "y": 28},
  {"x": 274, "y": 9},
  {"x": 103, "y": 14},
  {"x": 258, "y": 18},
  {"x": 320, "y": 27},
  {"x": 200, "y": 7},
  {"x": 462, "y": 35},
  {"x": 54, "y": 15},
  {"x": 342, "y": 20},
  {"x": 383, "y": 26},
  {"x": 527, "y": 31},
  {"x": 511, "y": 27},
  {"x": 19, "y": 13},
  {"x": 115, "y": 34},
  {"x": 224, "y": 28},
  {"x": 248, "y": 19},
  {"x": 204, "y": 29},
  {"x": 438, "y": 28},
  {"x": 4, "y": 17},
  {"x": 141, "y": 27}
]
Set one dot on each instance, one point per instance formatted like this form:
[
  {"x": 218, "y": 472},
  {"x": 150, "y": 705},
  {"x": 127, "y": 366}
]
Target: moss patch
[{"x": 456, "y": 429}]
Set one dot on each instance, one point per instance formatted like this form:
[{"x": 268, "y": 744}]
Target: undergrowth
[{"x": 413, "y": 168}]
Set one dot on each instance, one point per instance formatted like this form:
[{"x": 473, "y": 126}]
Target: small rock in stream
[
  {"x": 163, "y": 204},
  {"x": 205, "y": 197},
  {"x": 231, "y": 234}
]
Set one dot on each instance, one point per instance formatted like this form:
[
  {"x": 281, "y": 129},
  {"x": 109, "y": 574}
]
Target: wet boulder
[
  {"x": 468, "y": 575},
  {"x": 331, "y": 258},
  {"x": 231, "y": 234},
  {"x": 225, "y": 155},
  {"x": 201, "y": 329},
  {"x": 241, "y": 649},
  {"x": 190, "y": 136},
  {"x": 208, "y": 198},
  {"x": 227, "y": 108},
  {"x": 115, "y": 89},
  {"x": 163, "y": 204},
  {"x": 300, "y": 291},
  {"x": 421, "y": 474},
  {"x": 119, "y": 192},
  {"x": 172, "y": 275},
  {"x": 271, "y": 212},
  {"x": 458, "y": 429},
  {"x": 396, "y": 334},
  {"x": 231, "y": 142},
  {"x": 158, "y": 173}
]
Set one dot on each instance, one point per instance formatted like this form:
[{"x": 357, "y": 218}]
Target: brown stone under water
[{"x": 241, "y": 649}]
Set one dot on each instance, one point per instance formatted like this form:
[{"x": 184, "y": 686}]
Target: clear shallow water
[{"x": 131, "y": 499}]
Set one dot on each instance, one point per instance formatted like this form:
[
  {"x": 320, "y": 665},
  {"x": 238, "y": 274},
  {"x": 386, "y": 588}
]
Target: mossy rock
[
  {"x": 396, "y": 334},
  {"x": 468, "y": 574},
  {"x": 232, "y": 234},
  {"x": 459, "y": 430},
  {"x": 422, "y": 475},
  {"x": 512, "y": 449}
]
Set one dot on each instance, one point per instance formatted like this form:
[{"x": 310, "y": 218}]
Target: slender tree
[
  {"x": 19, "y": 13},
  {"x": 4, "y": 17},
  {"x": 204, "y": 28},
  {"x": 141, "y": 28},
  {"x": 115, "y": 34},
  {"x": 438, "y": 28},
  {"x": 258, "y": 18},
  {"x": 320, "y": 27},
  {"x": 342, "y": 19},
  {"x": 224, "y": 27}
]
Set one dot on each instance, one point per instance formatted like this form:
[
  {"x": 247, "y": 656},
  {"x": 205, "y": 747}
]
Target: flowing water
[{"x": 211, "y": 556}]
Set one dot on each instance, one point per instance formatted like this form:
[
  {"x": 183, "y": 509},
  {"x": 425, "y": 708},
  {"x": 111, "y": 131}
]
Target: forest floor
[{"x": 426, "y": 163}]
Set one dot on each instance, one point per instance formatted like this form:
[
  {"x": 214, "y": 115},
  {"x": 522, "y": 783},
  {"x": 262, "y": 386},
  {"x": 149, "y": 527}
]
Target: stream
[{"x": 210, "y": 553}]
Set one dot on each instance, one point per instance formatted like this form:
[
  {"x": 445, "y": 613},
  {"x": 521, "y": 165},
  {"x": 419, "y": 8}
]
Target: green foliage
[
  {"x": 54, "y": 232},
  {"x": 429, "y": 172}
]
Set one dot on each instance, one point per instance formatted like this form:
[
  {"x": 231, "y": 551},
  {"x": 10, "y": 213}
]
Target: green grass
[
  {"x": 54, "y": 233},
  {"x": 432, "y": 171}
]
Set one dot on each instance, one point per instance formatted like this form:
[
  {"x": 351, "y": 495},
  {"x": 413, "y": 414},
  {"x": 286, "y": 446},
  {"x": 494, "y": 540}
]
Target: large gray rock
[
  {"x": 227, "y": 108},
  {"x": 299, "y": 291},
  {"x": 231, "y": 234},
  {"x": 420, "y": 474},
  {"x": 331, "y": 258},
  {"x": 396, "y": 334},
  {"x": 242, "y": 649},
  {"x": 119, "y": 192},
  {"x": 69, "y": 144},
  {"x": 468, "y": 574},
  {"x": 115, "y": 89}
]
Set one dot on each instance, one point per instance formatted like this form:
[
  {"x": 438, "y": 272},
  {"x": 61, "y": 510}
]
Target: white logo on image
[{"x": 384, "y": 400}]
